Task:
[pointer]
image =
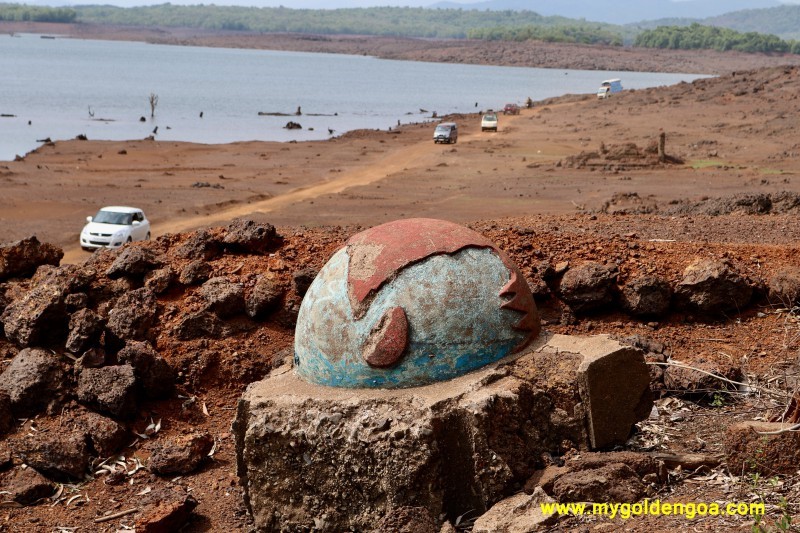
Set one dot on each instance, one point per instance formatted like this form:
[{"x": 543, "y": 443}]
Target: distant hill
[
  {"x": 619, "y": 11},
  {"x": 783, "y": 21}
]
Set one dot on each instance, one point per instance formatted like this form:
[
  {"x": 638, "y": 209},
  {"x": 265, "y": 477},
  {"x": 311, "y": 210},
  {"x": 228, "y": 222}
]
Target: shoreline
[
  {"x": 498, "y": 53},
  {"x": 538, "y": 161},
  {"x": 253, "y": 116}
]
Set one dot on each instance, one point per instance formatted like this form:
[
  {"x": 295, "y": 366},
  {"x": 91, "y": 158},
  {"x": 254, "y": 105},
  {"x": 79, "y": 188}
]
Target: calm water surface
[{"x": 56, "y": 83}]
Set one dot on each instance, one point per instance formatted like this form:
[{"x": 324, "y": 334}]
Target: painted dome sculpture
[{"x": 409, "y": 303}]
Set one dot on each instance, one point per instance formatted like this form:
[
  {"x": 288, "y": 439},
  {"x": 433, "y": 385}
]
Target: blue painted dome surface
[{"x": 434, "y": 319}]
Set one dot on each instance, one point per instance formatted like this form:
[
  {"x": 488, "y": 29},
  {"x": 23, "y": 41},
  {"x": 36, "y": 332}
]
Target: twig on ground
[{"x": 112, "y": 516}]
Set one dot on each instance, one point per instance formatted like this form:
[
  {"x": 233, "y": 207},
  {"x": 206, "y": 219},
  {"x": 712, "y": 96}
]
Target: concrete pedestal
[{"x": 335, "y": 459}]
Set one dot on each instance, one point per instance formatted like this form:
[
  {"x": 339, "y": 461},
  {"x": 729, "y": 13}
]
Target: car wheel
[
  {"x": 147, "y": 237},
  {"x": 130, "y": 239}
]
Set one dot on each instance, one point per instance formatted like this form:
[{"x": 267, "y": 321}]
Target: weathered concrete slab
[
  {"x": 608, "y": 374},
  {"x": 306, "y": 451}
]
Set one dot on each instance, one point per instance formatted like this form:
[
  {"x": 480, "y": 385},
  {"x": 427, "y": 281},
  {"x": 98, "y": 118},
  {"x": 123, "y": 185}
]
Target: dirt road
[
  {"x": 564, "y": 156},
  {"x": 411, "y": 157}
]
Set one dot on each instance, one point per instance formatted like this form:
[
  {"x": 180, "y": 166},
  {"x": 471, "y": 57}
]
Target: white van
[{"x": 609, "y": 87}]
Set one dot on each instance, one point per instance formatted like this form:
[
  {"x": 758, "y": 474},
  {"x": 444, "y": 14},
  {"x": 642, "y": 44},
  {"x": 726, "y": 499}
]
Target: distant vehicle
[
  {"x": 511, "y": 109},
  {"x": 489, "y": 122},
  {"x": 609, "y": 87},
  {"x": 446, "y": 132},
  {"x": 114, "y": 226}
]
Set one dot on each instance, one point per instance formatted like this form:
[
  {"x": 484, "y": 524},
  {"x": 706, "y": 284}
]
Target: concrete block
[{"x": 613, "y": 383}]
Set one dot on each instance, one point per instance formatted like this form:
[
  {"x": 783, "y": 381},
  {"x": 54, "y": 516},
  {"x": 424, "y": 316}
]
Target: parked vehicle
[
  {"x": 489, "y": 122},
  {"x": 114, "y": 226},
  {"x": 511, "y": 109},
  {"x": 446, "y": 132},
  {"x": 609, "y": 87}
]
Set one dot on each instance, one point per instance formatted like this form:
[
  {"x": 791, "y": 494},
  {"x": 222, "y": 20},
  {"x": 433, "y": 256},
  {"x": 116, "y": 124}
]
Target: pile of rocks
[
  {"x": 97, "y": 341},
  {"x": 707, "y": 288}
]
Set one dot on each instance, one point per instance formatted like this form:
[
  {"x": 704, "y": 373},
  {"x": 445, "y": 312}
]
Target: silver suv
[{"x": 446, "y": 132}]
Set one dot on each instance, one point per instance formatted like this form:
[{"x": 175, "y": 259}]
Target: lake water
[{"x": 56, "y": 83}]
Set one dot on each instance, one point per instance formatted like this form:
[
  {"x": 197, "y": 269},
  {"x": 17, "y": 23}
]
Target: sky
[{"x": 295, "y": 4}]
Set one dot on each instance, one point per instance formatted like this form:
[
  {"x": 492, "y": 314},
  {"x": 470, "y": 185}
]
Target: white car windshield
[
  {"x": 111, "y": 217},
  {"x": 442, "y": 129}
]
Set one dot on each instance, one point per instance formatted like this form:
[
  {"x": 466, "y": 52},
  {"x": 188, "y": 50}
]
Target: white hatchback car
[
  {"x": 114, "y": 226},
  {"x": 489, "y": 122}
]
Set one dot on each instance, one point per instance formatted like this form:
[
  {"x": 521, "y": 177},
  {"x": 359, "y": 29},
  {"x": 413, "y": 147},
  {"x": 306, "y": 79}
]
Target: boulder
[
  {"x": 302, "y": 280},
  {"x": 135, "y": 261},
  {"x": 768, "y": 448},
  {"x": 588, "y": 286},
  {"x": 712, "y": 287},
  {"x": 105, "y": 436},
  {"x": 39, "y": 316},
  {"x": 32, "y": 380},
  {"x": 22, "y": 258},
  {"x": 244, "y": 235},
  {"x": 181, "y": 455},
  {"x": 67, "y": 278},
  {"x": 699, "y": 378},
  {"x": 85, "y": 329},
  {"x": 201, "y": 245},
  {"x": 165, "y": 511},
  {"x": 109, "y": 389},
  {"x": 539, "y": 288},
  {"x": 62, "y": 457},
  {"x": 109, "y": 290},
  {"x": 159, "y": 280},
  {"x": 26, "y": 486},
  {"x": 521, "y": 513},
  {"x": 646, "y": 296},
  {"x": 201, "y": 324},
  {"x": 286, "y": 316},
  {"x": 92, "y": 358},
  {"x": 155, "y": 376},
  {"x": 224, "y": 297},
  {"x": 76, "y": 301},
  {"x": 600, "y": 477},
  {"x": 263, "y": 298},
  {"x": 614, "y": 482},
  {"x": 195, "y": 272},
  {"x": 784, "y": 287},
  {"x": 133, "y": 315}
]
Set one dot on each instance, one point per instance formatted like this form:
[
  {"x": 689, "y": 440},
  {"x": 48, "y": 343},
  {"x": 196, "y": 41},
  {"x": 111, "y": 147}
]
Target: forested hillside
[
  {"x": 383, "y": 21},
  {"x": 698, "y": 37},
  {"x": 423, "y": 23}
]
